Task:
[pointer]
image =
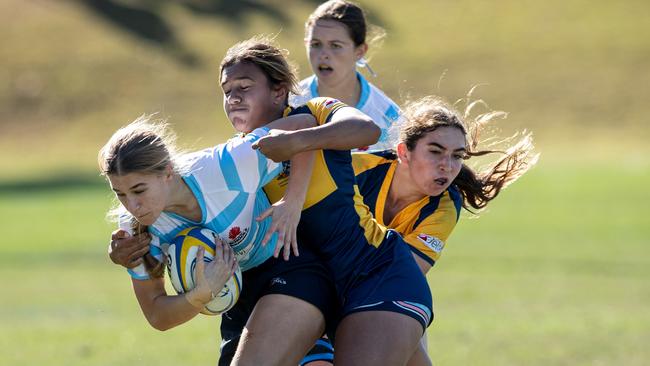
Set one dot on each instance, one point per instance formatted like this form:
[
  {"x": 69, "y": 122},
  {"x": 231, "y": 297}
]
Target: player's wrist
[{"x": 198, "y": 299}]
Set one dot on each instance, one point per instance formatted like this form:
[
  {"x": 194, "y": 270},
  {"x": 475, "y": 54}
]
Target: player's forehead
[
  {"x": 447, "y": 137},
  {"x": 329, "y": 31},
  {"x": 129, "y": 181},
  {"x": 241, "y": 71}
]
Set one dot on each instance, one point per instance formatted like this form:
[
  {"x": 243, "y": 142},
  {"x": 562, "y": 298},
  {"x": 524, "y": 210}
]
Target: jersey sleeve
[
  {"x": 245, "y": 168},
  {"x": 429, "y": 236},
  {"x": 321, "y": 108},
  {"x": 140, "y": 272}
]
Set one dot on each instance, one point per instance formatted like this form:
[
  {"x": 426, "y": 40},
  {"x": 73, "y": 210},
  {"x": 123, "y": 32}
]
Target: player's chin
[
  {"x": 436, "y": 190},
  {"x": 240, "y": 124}
]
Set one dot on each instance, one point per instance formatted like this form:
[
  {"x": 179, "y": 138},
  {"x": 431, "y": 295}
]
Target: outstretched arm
[{"x": 349, "y": 128}]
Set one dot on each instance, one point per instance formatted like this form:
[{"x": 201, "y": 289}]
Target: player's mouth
[
  {"x": 238, "y": 109},
  {"x": 324, "y": 69},
  {"x": 441, "y": 181}
]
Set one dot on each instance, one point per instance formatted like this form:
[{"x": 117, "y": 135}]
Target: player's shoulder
[
  {"x": 307, "y": 89},
  {"x": 368, "y": 161}
]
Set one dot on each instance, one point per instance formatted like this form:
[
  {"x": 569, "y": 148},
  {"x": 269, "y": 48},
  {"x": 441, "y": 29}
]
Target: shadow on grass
[
  {"x": 53, "y": 183},
  {"x": 148, "y": 21}
]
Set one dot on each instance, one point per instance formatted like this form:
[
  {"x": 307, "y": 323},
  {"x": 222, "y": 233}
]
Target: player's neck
[
  {"x": 182, "y": 201},
  {"x": 347, "y": 92},
  {"x": 402, "y": 191}
]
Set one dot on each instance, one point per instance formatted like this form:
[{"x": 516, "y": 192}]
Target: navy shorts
[
  {"x": 303, "y": 277},
  {"x": 390, "y": 281}
]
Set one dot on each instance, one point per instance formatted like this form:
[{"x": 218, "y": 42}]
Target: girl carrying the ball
[{"x": 162, "y": 192}]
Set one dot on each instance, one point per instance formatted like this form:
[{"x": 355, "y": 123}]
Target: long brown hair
[
  {"x": 144, "y": 146},
  {"x": 477, "y": 189}
]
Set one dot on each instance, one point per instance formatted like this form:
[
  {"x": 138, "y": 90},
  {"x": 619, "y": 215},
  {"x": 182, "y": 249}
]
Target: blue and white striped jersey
[
  {"x": 372, "y": 101},
  {"x": 227, "y": 182}
]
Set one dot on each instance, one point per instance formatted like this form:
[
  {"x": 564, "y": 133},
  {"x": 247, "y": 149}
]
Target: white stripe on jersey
[
  {"x": 372, "y": 101},
  {"x": 227, "y": 182}
]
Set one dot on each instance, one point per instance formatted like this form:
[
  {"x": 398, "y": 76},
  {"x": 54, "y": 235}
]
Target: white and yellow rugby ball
[{"x": 181, "y": 264}]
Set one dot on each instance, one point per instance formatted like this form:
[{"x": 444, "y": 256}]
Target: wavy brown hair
[{"x": 477, "y": 188}]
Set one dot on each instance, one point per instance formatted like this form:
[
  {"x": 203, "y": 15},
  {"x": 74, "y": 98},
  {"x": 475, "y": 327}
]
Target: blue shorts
[
  {"x": 390, "y": 281},
  {"x": 303, "y": 277}
]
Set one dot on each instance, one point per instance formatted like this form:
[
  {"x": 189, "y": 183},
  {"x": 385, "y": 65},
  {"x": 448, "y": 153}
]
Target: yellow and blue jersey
[
  {"x": 334, "y": 218},
  {"x": 425, "y": 224}
]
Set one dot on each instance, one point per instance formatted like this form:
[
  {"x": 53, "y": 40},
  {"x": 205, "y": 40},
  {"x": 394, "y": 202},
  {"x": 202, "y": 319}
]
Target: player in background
[{"x": 336, "y": 38}]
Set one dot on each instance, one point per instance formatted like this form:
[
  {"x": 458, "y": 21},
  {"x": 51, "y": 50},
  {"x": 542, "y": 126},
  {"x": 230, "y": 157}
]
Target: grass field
[
  {"x": 564, "y": 282},
  {"x": 555, "y": 272}
]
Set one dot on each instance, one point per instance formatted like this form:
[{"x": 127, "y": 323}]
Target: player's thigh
[
  {"x": 376, "y": 338},
  {"x": 420, "y": 356},
  {"x": 280, "y": 331}
]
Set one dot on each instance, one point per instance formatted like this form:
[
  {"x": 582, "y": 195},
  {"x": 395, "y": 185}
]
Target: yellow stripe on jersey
[
  {"x": 321, "y": 109},
  {"x": 373, "y": 232},
  {"x": 364, "y": 161},
  {"x": 430, "y": 236}
]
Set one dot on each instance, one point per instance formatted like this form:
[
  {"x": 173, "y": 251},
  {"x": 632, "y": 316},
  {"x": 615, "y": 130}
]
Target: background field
[{"x": 555, "y": 272}]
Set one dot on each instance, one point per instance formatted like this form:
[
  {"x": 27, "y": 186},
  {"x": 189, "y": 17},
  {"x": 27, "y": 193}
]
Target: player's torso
[
  {"x": 335, "y": 221},
  {"x": 229, "y": 212}
]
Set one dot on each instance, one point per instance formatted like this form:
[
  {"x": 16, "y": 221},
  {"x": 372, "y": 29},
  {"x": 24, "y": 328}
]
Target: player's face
[
  {"x": 249, "y": 100},
  {"x": 332, "y": 53},
  {"x": 143, "y": 195},
  {"x": 436, "y": 160}
]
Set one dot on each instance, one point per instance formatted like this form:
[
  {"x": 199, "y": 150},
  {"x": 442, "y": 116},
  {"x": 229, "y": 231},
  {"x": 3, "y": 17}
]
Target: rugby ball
[{"x": 181, "y": 264}]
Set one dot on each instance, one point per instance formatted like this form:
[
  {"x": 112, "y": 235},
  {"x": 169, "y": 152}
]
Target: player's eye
[{"x": 314, "y": 44}]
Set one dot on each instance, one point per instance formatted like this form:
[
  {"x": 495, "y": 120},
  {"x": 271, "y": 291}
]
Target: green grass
[{"x": 555, "y": 272}]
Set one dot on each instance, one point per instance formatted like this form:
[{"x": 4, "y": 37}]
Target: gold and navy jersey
[
  {"x": 425, "y": 224},
  {"x": 335, "y": 221}
]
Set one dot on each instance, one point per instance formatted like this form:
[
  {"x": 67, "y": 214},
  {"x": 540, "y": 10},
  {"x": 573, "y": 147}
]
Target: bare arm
[
  {"x": 348, "y": 129},
  {"x": 286, "y": 212},
  {"x": 165, "y": 311}
]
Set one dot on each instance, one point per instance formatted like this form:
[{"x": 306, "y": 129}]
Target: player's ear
[
  {"x": 402, "y": 153},
  {"x": 279, "y": 93},
  {"x": 169, "y": 171},
  {"x": 360, "y": 51}
]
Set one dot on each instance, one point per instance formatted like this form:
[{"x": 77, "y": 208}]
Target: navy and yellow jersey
[
  {"x": 335, "y": 221},
  {"x": 425, "y": 224}
]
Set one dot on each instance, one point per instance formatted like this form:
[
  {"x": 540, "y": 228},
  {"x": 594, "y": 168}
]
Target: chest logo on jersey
[
  {"x": 432, "y": 242},
  {"x": 331, "y": 103},
  {"x": 236, "y": 235}
]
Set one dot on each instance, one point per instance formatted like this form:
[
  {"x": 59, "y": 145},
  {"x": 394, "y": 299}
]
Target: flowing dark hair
[{"x": 477, "y": 188}]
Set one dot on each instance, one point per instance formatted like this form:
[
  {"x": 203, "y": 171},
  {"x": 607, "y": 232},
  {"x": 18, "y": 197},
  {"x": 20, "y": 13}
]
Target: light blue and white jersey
[
  {"x": 372, "y": 101},
  {"x": 227, "y": 182}
]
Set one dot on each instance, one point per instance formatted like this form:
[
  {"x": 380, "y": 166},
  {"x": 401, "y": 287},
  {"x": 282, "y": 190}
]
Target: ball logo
[{"x": 432, "y": 242}]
